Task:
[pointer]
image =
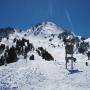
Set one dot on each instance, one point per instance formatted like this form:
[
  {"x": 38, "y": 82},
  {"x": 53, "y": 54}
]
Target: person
[
  {"x": 88, "y": 54},
  {"x": 5, "y": 58},
  {"x": 86, "y": 63}
]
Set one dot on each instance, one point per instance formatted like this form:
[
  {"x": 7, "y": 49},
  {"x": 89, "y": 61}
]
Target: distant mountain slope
[
  {"x": 4, "y": 32},
  {"x": 45, "y": 29}
]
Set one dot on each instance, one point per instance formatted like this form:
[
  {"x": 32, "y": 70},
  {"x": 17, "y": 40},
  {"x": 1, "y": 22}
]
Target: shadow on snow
[{"x": 74, "y": 71}]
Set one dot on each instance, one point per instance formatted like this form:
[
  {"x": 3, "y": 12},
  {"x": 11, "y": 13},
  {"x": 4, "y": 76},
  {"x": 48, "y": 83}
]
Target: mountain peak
[
  {"x": 46, "y": 28},
  {"x": 49, "y": 23}
]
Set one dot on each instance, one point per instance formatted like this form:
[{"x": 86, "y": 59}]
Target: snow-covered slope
[
  {"x": 40, "y": 74},
  {"x": 45, "y": 29},
  {"x": 46, "y": 75}
]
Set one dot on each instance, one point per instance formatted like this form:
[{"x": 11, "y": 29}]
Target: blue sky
[{"x": 70, "y": 14}]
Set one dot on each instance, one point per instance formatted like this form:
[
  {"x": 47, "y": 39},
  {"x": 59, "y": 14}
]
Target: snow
[
  {"x": 44, "y": 29},
  {"x": 39, "y": 74},
  {"x": 87, "y": 40},
  {"x": 45, "y": 75}
]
